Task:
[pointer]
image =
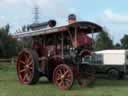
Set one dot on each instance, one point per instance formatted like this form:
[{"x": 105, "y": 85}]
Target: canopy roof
[{"x": 87, "y": 27}]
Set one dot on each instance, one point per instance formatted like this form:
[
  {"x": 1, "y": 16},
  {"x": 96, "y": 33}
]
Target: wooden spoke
[
  {"x": 58, "y": 79},
  {"x": 60, "y": 71},
  {"x": 68, "y": 75},
  {"x": 26, "y": 70},
  {"x": 30, "y": 74},
  {"x": 22, "y": 62},
  {"x": 22, "y": 70},
  {"x": 25, "y": 76},
  {"x": 28, "y": 78},
  {"x": 68, "y": 80},
  {"x": 66, "y": 72},
  {"x": 61, "y": 83},
  {"x": 26, "y": 58},
  {"x": 63, "y": 77},
  {"x": 29, "y": 60},
  {"x": 30, "y": 67}
]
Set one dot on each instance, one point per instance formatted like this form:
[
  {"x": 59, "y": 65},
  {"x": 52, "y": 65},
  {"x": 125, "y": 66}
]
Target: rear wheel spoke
[
  {"x": 28, "y": 78},
  {"x": 26, "y": 59},
  {"x": 30, "y": 63},
  {"x": 30, "y": 75},
  {"x": 22, "y": 62},
  {"x": 29, "y": 60},
  {"x": 30, "y": 67},
  {"x": 22, "y": 70},
  {"x": 25, "y": 76}
]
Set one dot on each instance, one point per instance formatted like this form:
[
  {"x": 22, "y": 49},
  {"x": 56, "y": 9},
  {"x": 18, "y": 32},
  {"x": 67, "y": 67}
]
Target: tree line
[
  {"x": 10, "y": 46},
  {"x": 103, "y": 41}
]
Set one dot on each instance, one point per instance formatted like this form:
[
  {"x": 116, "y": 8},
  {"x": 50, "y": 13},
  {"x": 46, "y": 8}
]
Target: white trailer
[{"x": 112, "y": 62}]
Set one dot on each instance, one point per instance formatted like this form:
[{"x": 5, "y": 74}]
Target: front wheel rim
[{"x": 63, "y": 77}]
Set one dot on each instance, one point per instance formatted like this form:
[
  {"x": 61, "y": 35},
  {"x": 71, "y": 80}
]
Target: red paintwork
[
  {"x": 85, "y": 53},
  {"x": 82, "y": 40},
  {"x": 41, "y": 50},
  {"x": 56, "y": 60}
]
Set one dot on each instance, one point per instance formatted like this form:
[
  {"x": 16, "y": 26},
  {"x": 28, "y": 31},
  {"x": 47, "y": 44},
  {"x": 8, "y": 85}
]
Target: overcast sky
[{"x": 112, "y": 14}]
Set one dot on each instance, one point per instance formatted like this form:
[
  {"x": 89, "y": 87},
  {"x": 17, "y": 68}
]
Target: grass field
[{"x": 9, "y": 86}]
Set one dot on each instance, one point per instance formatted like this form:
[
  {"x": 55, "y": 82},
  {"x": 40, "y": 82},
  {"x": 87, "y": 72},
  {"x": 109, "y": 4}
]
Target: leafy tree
[
  {"x": 7, "y": 28},
  {"x": 117, "y": 46},
  {"x": 24, "y": 28},
  {"x": 124, "y": 42},
  {"x": 103, "y": 41},
  {"x": 8, "y": 44}
]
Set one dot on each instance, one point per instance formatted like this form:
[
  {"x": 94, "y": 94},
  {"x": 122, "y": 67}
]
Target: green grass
[{"x": 9, "y": 86}]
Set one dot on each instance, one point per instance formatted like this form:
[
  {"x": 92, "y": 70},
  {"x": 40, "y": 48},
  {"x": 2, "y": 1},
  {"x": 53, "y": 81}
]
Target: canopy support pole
[{"x": 62, "y": 45}]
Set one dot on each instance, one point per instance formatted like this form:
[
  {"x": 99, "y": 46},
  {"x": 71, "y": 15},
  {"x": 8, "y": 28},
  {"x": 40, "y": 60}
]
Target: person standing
[{"x": 71, "y": 18}]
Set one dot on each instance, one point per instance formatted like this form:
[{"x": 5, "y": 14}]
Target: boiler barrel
[{"x": 37, "y": 26}]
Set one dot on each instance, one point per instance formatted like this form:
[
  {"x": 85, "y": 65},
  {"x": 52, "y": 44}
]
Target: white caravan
[{"x": 111, "y": 62}]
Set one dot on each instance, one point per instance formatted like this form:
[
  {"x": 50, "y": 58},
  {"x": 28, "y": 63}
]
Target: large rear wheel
[
  {"x": 27, "y": 67},
  {"x": 63, "y": 77}
]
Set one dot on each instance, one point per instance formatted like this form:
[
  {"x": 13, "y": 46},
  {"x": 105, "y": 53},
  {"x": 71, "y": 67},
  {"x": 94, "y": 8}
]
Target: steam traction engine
[{"x": 58, "y": 54}]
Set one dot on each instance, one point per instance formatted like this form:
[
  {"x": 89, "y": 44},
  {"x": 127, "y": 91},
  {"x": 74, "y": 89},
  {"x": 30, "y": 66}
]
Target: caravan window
[
  {"x": 86, "y": 59},
  {"x": 97, "y": 59}
]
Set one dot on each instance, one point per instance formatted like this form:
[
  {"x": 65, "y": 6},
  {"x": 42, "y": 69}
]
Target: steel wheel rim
[
  {"x": 63, "y": 77},
  {"x": 25, "y": 67}
]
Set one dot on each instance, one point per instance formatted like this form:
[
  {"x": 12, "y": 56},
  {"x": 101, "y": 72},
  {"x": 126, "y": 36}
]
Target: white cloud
[
  {"x": 115, "y": 23},
  {"x": 3, "y": 21},
  {"x": 115, "y": 18}
]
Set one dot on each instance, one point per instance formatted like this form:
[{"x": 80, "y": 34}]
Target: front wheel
[{"x": 63, "y": 77}]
